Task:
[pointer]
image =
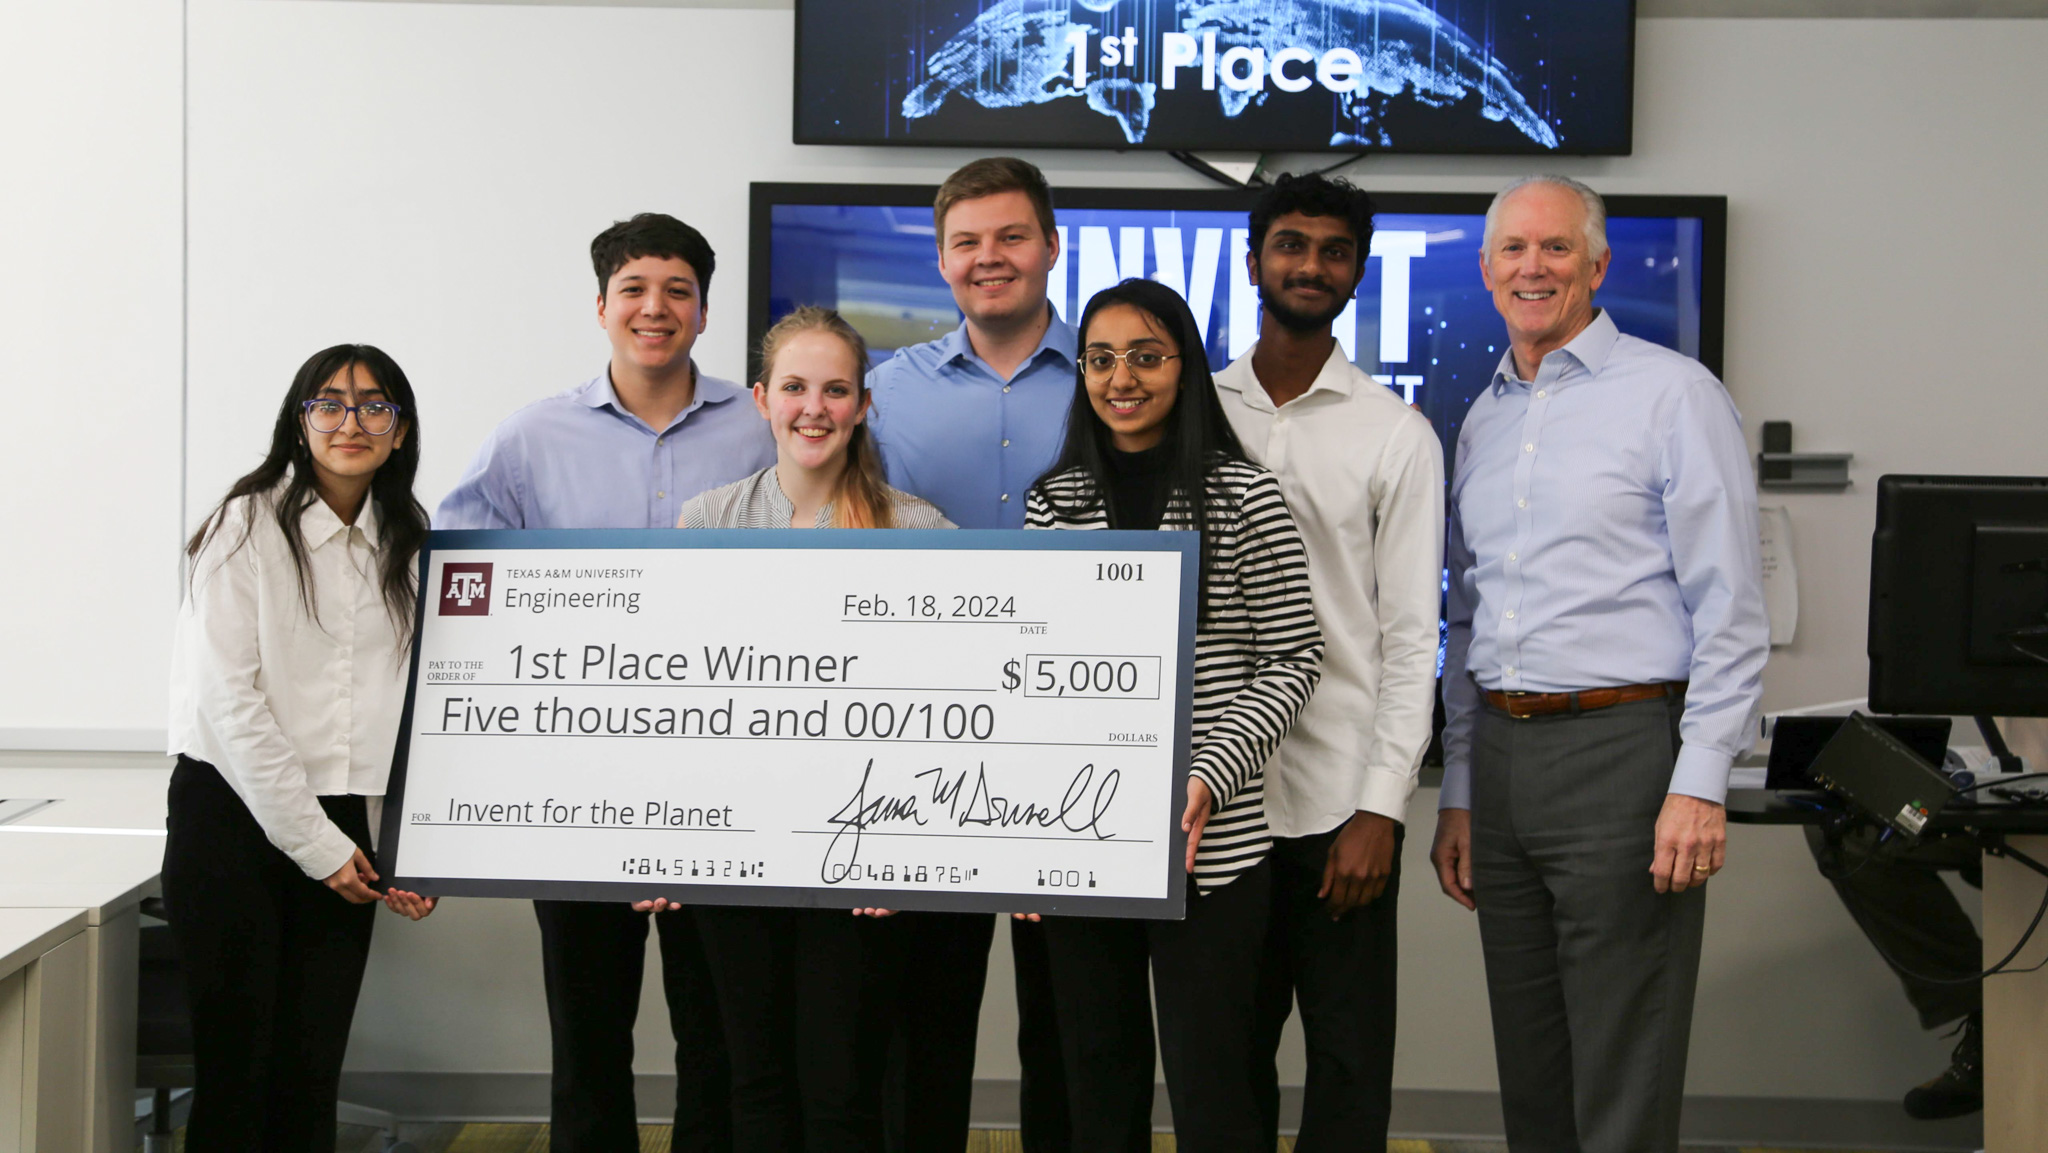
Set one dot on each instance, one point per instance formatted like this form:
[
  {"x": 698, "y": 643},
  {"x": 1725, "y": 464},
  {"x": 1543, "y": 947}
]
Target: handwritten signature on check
[{"x": 949, "y": 799}]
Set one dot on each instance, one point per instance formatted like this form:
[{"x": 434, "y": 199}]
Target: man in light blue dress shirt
[
  {"x": 625, "y": 449},
  {"x": 967, "y": 422},
  {"x": 1607, "y": 644}
]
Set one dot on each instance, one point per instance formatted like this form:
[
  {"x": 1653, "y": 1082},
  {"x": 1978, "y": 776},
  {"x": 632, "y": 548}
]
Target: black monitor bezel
[
  {"x": 1712, "y": 212},
  {"x": 796, "y": 135},
  {"x": 1899, "y": 637}
]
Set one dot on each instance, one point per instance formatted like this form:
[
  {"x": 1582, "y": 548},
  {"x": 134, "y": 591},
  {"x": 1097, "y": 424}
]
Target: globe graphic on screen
[{"x": 1016, "y": 53}]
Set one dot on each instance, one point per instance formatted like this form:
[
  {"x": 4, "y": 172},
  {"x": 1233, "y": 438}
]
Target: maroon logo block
[{"x": 466, "y": 589}]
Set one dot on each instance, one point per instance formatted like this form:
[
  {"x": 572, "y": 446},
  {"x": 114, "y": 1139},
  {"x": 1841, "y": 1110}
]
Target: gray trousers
[{"x": 1589, "y": 970}]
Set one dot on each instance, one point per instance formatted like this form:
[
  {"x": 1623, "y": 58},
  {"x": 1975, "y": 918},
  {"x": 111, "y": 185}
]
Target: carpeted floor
[{"x": 500, "y": 1138}]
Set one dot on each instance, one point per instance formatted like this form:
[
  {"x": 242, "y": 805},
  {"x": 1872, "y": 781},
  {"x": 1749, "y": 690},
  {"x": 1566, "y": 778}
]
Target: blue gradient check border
[{"x": 1170, "y": 907}]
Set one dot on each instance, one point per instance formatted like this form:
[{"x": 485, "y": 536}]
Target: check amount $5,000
[{"x": 1080, "y": 675}]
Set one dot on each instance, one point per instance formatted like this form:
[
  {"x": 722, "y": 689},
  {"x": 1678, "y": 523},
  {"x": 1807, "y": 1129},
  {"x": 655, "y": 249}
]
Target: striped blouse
[
  {"x": 1257, "y": 657},
  {"x": 758, "y": 502}
]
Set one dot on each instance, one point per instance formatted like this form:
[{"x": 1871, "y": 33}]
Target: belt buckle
[{"x": 1511, "y": 694}]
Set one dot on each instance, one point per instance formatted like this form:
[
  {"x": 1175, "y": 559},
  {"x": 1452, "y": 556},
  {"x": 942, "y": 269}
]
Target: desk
[
  {"x": 2015, "y": 1005},
  {"x": 104, "y": 876},
  {"x": 45, "y": 1069},
  {"x": 1770, "y": 807}
]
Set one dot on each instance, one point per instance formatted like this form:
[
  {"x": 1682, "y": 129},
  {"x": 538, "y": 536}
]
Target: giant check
[{"x": 970, "y": 721}]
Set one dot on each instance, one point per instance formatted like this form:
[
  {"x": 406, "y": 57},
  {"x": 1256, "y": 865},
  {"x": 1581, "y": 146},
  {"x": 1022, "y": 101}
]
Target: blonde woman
[
  {"x": 798, "y": 988},
  {"x": 827, "y": 472}
]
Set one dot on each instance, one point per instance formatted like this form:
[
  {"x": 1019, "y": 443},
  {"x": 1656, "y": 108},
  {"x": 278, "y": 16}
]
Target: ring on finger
[{"x": 1702, "y": 868}]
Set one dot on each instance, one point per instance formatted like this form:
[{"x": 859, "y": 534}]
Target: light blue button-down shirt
[
  {"x": 579, "y": 460},
  {"x": 1604, "y": 532},
  {"x": 954, "y": 432}
]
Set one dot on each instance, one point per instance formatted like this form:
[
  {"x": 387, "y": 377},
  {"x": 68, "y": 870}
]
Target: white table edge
[{"x": 41, "y": 934}]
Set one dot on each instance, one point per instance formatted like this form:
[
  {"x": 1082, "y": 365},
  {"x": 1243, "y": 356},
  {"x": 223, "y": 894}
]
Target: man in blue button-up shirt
[
  {"x": 624, "y": 450},
  {"x": 1607, "y": 643},
  {"x": 967, "y": 422}
]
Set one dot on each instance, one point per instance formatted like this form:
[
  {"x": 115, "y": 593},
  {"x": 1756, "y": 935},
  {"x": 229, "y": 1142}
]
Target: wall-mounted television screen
[
  {"x": 1478, "y": 76},
  {"x": 1422, "y": 322}
]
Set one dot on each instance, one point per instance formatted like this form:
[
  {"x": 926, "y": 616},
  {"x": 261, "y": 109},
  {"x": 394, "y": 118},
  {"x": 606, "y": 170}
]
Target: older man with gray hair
[{"x": 1607, "y": 643}]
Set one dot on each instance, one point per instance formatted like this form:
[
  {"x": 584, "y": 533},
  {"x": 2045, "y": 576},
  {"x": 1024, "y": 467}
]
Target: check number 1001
[{"x": 1074, "y": 675}]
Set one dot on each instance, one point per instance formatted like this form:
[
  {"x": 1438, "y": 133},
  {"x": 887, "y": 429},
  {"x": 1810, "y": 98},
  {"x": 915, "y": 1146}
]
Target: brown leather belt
[{"x": 1522, "y": 706}]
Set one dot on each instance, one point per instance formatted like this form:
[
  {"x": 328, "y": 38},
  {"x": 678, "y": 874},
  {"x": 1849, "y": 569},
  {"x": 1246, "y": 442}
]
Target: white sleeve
[
  {"x": 223, "y": 660},
  {"x": 1408, "y": 549}
]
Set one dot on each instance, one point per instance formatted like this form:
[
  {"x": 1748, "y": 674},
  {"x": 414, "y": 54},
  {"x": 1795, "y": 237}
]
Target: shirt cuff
[
  {"x": 1702, "y": 772},
  {"x": 1386, "y": 792},
  {"x": 1457, "y": 788},
  {"x": 1210, "y": 777},
  {"x": 327, "y": 854}
]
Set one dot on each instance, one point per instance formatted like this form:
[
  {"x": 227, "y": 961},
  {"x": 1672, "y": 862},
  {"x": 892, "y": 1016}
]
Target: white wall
[
  {"x": 426, "y": 177},
  {"x": 91, "y": 343}
]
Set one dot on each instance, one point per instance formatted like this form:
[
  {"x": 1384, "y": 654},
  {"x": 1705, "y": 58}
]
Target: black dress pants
[
  {"x": 273, "y": 961},
  {"x": 938, "y": 969},
  {"x": 1043, "y": 1123},
  {"x": 592, "y": 956},
  {"x": 1897, "y": 897},
  {"x": 939, "y": 964},
  {"x": 1204, "y": 974},
  {"x": 802, "y": 1019},
  {"x": 1342, "y": 974}
]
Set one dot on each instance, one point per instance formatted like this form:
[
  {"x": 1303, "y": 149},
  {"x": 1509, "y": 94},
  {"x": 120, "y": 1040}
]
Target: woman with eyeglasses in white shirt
[{"x": 288, "y": 676}]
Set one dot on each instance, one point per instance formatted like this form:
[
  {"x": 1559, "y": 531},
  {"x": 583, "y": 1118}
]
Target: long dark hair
[
  {"x": 1198, "y": 435},
  {"x": 401, "y": 522}
]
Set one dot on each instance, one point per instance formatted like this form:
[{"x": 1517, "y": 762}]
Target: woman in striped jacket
[{"x": 1145, "y": 435}]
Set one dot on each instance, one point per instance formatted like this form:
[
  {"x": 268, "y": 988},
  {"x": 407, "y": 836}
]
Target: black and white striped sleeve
[
  {"x": 1271, "y": 566},
  {"x": 1037, "y": 510}
]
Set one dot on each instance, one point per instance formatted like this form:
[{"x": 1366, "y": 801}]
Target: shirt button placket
[
  {"x": 665, "y": 479},
  {"x": 1510, "y": 646}
]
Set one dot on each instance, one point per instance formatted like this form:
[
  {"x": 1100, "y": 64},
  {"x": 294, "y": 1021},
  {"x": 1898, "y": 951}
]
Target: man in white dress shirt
[{"x": 1363, "y": 474}]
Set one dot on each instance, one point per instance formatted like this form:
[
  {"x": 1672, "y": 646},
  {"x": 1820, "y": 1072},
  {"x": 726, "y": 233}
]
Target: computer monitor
[{"x": 1959, "y": 596}]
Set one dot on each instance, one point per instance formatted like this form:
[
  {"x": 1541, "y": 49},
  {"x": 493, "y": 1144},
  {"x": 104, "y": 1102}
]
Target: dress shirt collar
[
  {"x": 1337, "y": 375},
  {"x": 766, "y": 487},
  {"x": 1059, "y": 339},
  {"x": 1591, "y": 348},
  {"x": 599, "y": 393},
  {"x": 771, "y": 491},
  {"x": 320, "y": 525}
]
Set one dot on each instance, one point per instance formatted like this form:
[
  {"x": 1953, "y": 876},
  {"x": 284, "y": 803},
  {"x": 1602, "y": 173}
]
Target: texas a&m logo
[{"x": 466, "y": 589}]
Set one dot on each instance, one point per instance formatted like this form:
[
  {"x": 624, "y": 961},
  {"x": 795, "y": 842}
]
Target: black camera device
[{"x": 1882, "y": 777}]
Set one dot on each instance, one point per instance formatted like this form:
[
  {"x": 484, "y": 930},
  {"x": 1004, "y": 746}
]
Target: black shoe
[{"x": 1960, "y": 1088}]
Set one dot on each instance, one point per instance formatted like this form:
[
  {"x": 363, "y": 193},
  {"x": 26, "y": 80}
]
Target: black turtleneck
[{"x": 1138, "y": 486}]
